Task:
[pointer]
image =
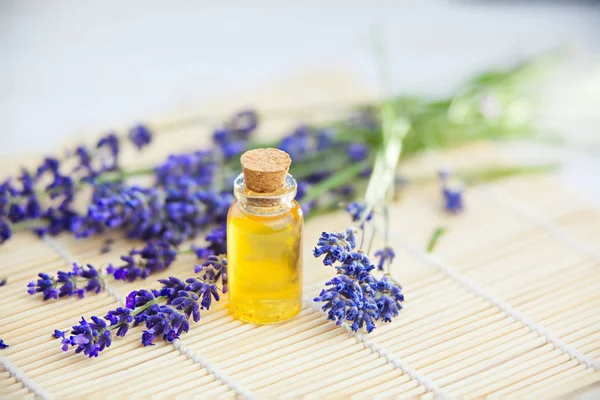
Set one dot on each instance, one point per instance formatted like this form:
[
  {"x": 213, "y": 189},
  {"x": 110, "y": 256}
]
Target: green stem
[
  {"x": 435, "y": 237},
  {"x": 386, "y": 216},
  {"x": 487, "y": 174},
  {"x": 336, "y": 180},
  {"x": 371, "y": 241},
  {"x": 122, "y": 175},
  {"x": 134, "y": 312}
]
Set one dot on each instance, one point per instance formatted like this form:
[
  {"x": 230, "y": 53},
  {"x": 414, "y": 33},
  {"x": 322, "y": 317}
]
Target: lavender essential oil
[{"x": 264, "y": 240}]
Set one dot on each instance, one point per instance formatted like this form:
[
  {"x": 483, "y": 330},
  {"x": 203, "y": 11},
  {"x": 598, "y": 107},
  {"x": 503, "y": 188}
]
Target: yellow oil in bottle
[{"x": 264, "y": 264}]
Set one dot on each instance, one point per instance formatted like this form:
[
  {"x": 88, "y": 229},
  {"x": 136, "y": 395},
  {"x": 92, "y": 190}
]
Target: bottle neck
[{"x": 265, "y": 203}]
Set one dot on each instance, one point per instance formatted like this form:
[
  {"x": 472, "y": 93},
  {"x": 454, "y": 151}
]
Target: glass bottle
[{"x": 264, "y": 244}]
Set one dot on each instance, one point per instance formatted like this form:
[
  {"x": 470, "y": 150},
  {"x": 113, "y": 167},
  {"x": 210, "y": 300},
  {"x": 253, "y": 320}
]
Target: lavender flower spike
[
  {"x": 78, "y": 281},
  {"x": 385, "y": 254},
  {"x": 140, "y": 136},
  {"x": 335, "y": 246},
  {"x": 453, "y": 199},
  {"x": 167, "y": 321}
]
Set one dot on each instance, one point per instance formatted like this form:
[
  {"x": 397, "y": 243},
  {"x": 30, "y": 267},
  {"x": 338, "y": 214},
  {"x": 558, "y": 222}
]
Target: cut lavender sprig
[
  {"x": 356, "y": 296},
  {"x": 165, "y": 312},
  {"x": 138, "y": 264},
  {"x": 77, "y": 282},
  {"x": 144, "y": 213},
  {"x": 46, "y": 195}
]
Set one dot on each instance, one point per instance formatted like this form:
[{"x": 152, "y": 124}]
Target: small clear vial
[{"x": 264, "y": 244}]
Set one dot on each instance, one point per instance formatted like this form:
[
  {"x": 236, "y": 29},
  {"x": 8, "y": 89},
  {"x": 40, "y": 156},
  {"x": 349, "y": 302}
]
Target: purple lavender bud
[
  {"x": 385, "y": 254},
  {"x": 324, "y": 140},
  {"x": 140, "y": 136},
  {"x": 89, "y": 337},
  {"x": 244, "y": 122},
  {"x": 358, "y": 151},
  {"x": 5, "y": 230},
  {"x": 356, "y": 211},
  {"x": 453, "y": 199},
  {"x": 335, "y": 246}
]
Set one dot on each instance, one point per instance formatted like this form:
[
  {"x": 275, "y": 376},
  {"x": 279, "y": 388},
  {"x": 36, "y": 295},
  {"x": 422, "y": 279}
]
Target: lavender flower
[
  {"x": 56, "y": 184},
  {"x": 451, "y": 192},
  {"x": 298, "y": 144},
  {"x": 90, "y": 338},
  {"x": 389, "y": 300},
  {"x": 140, "y": 136},
  {"x": 45, "y": 285},
  {"x": 356, "y": 211},
  {"x": 244, "y": 122},
  {"x": 120, "y": 317},
  {"x": 335, "y": 246},
  {"x": 453, "y": 199},
  {"x": 386, "y": 254},
  {"x": 217, "y": 243},
  {"x": 171, "y": 287},
  {"x": 184, "y": 171},
  {"x": 358, "y": 151},
  {"x": 78, "y": 281},
  {"x": 345, "y": 300},
  {"x": 167, "y": 321},
  {"x": 3, "y": 345},
  {"x": 108, "y": 149},
  {"x": 155, "y": 256},
  {"x": 213, "y": 269},
  {"x": 324, "y": 140},
  {"x": 5, "y": 230},
  {"x": 57, "y": 334},
  {"x": 174, "y": 215},
  {"x": 232, "y": 139},
  {"x": 355, "y": 295}
]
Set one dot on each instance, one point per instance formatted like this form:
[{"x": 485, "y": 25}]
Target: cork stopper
[{"x": 265, "y": 170}]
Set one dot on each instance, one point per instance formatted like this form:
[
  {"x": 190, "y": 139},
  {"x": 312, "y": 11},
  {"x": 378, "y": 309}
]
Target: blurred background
[{"x": 70, "y": 67}]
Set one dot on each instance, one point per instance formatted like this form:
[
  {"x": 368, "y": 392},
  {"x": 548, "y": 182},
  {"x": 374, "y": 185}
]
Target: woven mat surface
[{"x": 506, "y": 306}]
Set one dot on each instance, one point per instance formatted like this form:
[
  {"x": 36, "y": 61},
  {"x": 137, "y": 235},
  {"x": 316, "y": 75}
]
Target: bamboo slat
[{"x": 506, "y": 307}]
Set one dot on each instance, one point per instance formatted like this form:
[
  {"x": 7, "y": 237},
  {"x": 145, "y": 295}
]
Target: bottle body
[{"x": 264, "y": 257}]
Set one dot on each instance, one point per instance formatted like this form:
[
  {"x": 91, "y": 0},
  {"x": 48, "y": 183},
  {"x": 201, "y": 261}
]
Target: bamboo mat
[{"x": 507, "y": 306}]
